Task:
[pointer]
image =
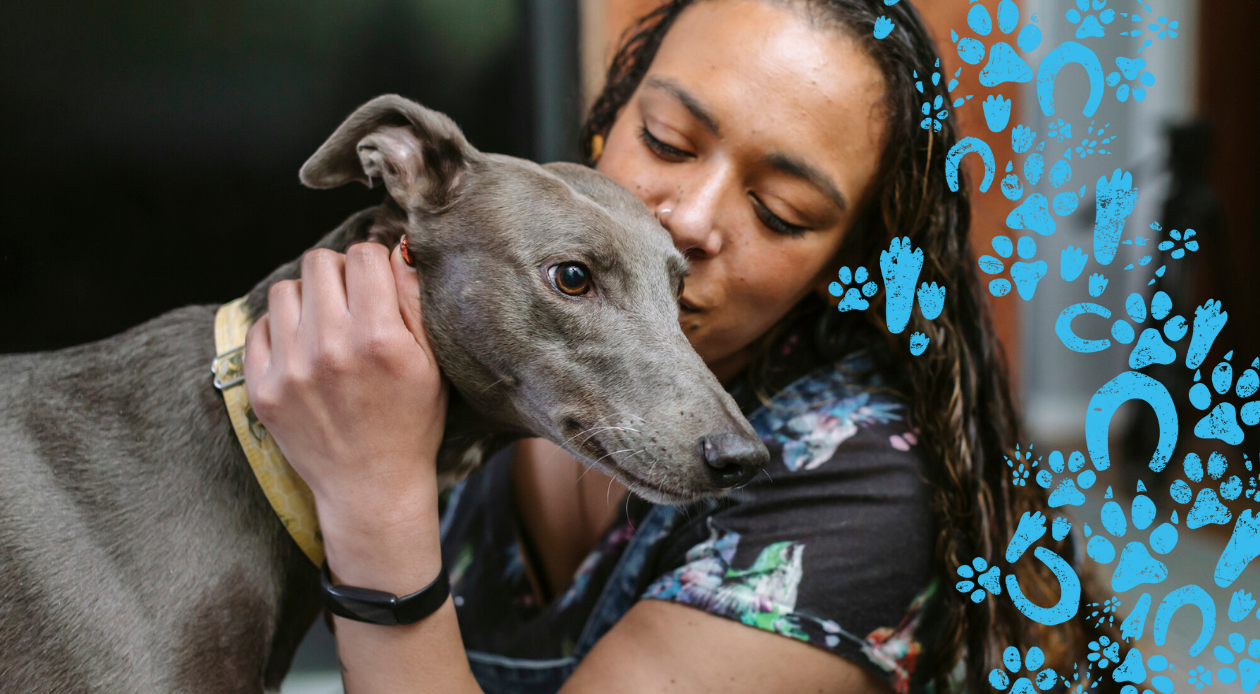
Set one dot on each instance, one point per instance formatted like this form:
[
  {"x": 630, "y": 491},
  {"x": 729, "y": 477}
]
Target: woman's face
[{"x": 755, "y": 137}]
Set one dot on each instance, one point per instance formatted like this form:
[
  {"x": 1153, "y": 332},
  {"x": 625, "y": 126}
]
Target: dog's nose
[{"x": 731, "y": 459}]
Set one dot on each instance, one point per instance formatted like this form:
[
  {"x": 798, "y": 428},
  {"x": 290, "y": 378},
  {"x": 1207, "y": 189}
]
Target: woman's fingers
[
  {"x": 284, "y": 305},
  {"x": 257, "y": 348},
  {"x": 370, "y": 292},
  {"x": 324, "y": 297}
]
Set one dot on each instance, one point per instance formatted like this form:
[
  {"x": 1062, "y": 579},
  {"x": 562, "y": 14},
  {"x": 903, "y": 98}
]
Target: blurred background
[{"x": 152, "y": 152}]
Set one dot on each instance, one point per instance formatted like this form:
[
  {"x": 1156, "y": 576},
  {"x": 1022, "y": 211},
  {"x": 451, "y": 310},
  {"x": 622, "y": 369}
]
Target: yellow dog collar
[{"x": 289, "y": 496}]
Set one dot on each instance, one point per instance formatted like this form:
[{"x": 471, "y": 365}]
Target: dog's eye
[{"x": 571, "y": 278}]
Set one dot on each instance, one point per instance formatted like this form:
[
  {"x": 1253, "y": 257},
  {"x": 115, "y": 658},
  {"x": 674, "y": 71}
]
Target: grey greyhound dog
[{"x": 138, "y": 552}]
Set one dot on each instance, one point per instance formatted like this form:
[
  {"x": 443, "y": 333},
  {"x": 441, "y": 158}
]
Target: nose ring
[{"x": 660, "y": 214}]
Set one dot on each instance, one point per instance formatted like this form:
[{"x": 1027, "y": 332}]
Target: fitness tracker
[{"x": 379, "y": 607}]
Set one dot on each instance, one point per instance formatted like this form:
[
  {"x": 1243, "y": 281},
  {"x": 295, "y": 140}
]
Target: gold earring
[{"x": 597, "y": 147}]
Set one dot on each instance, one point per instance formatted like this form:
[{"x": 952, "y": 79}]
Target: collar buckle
[{"x": 229, "y": 368}]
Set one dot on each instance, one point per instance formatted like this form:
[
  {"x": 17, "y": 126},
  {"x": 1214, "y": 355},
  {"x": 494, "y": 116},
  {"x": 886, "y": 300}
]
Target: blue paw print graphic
[
  {"x": 1151, "y": 347},
  {"x": 1031, "y": 662},
  {"x": 1131, "y": 70},
  {"x": 1136, "y": 566},
  {"x": 1187, "y": 241},
  {"x": 1222, "y": 421},
  {"x": 852, "y": 297},
  {"x": 1090, "y": 142},
  {"x": 1247, "y": 671},
  {"x": 1005, "y": 65},
  {"x": 1200, "y": 677},
  {"x": 987, "y": 580},
  {"x": 1104, "y": 652},
  {"x": 1060, "y": 130},
  {"x": 1207, "y": 509},
  {"x": 1240, "y": 605},
  {"x": 1104, "y": 611},
  {"x": 1091, "y": 25},
  {"x": 1067, "y": 493},
  {"x": 1025, "y": 275},
  {"x": 1161, "y": 27},
  {"x": 1022, "y": 466},
  {"x": 938, "y": 105}
]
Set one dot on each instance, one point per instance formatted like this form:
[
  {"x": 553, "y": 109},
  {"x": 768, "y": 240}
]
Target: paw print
[
  {"x": 987, "y": 580},
  {"x": 1004, "y": 64},
  {"x": 1207, "y": 509},
  {"x": 1091, "y": 25},
  {"x": 1097, "y": 284},
  {"x": 1188, "y": 243},
  {"x": 1116, "y": 198},
  {"x": 938, "y": 104},
  {"x": 1060, "y": 130},
  {"x": 997, "y": 112},
  {"x": 1025, "y": 275},
  {"x": 1136, "y": 565},
  {"x": 852, "y": 296},
  {"x": 1105, "y": 611},
  {"x": 1103, "y": 652},
  {"x": 1162, "y": 28},
  {"x": 1072, "y": 262},
  {"x": 941, "y": 114},
  {"x": 1033, "y": 660},
  {"x": 1248, "y": 670},
  {"x": 883, "y": 27},
  {"x": 1200, "y": 677},
  {"x": 1021, "y": 472},
  {"x": 1088, "y": 143},
  {"x": 1222, "y": 422},
  {"x": 1130, "y": 69},
  {"x": 1240, "y": 605},
  {"x": 918, "y": 343},
  {"x": 1067, "y": 493},
  {"x": 1151, "y": 347}
]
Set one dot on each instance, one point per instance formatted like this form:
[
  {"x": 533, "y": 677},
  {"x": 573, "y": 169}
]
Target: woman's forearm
[{"x": 395, "y": 548}]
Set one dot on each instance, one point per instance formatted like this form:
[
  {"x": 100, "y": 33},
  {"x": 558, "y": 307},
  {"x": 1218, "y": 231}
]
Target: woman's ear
[{"x": 420, "y": 154}]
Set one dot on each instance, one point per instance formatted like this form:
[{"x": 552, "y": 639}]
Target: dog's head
[{"x": 550, "y": 297}]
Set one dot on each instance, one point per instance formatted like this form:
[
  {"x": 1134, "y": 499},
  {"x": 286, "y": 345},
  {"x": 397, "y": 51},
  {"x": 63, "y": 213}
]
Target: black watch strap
[{"x": 379, "y": 607}]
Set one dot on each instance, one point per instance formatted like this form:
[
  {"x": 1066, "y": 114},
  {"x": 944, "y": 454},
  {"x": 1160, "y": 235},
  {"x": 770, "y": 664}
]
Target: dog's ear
[{"x": 420, "y": 154}]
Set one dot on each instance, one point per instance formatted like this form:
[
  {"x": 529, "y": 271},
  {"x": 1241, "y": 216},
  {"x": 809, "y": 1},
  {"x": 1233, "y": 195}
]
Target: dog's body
[{"x": 137, "y": 551}]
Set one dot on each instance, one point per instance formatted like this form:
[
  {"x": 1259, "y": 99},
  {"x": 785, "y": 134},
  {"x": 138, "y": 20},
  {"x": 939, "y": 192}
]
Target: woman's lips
[{"x": 686, "y": 307}]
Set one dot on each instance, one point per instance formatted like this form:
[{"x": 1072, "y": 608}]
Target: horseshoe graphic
[
  {"x": 1130, "y": 385},
  {"x": 966, "y": 146},
  {"x": 1069, "y": 52}
]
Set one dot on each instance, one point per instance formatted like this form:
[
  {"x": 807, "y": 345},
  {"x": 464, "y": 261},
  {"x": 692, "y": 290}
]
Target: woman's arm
[{"x": 341, "y": 373}]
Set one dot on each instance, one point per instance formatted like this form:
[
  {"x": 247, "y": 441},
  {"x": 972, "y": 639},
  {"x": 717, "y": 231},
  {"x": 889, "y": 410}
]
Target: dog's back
[{"x": 125, "y": 566}]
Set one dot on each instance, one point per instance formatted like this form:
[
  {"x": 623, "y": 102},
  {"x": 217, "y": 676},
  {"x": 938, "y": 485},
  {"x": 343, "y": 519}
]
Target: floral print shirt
[{"x": 832, "y": 547}]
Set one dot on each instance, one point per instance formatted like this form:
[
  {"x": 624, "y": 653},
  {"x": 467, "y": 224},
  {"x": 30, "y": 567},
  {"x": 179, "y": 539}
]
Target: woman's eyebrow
[
  {"x": 792, "y": 166},
  {"x": 689, "y": 101}
]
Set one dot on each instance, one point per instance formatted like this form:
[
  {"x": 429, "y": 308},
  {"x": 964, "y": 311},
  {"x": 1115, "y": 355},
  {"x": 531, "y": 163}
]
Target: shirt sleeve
[{"x": 831, "y": 546}]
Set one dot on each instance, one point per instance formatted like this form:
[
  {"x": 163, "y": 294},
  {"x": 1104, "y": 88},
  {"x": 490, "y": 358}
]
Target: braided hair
[{"x": 959, "y": 391}]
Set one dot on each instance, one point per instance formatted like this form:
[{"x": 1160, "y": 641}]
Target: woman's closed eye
[
  {"x": 773, "y": 221},
  {"x": 662, "y": 149}
]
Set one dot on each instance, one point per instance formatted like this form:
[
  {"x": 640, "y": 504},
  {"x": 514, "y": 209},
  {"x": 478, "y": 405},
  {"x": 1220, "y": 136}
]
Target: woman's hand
[{"x": 342, "y": 375}]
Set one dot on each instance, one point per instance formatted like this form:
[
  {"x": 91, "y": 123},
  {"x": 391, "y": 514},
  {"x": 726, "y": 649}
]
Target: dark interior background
[{"x": 151, "y": 147}]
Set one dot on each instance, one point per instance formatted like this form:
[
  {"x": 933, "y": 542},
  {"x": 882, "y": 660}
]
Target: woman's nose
[{"x": 691, "y": 220}]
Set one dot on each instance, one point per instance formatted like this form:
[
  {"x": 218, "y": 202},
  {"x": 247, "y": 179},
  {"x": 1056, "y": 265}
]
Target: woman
[{"x": 776, "y": 142}]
